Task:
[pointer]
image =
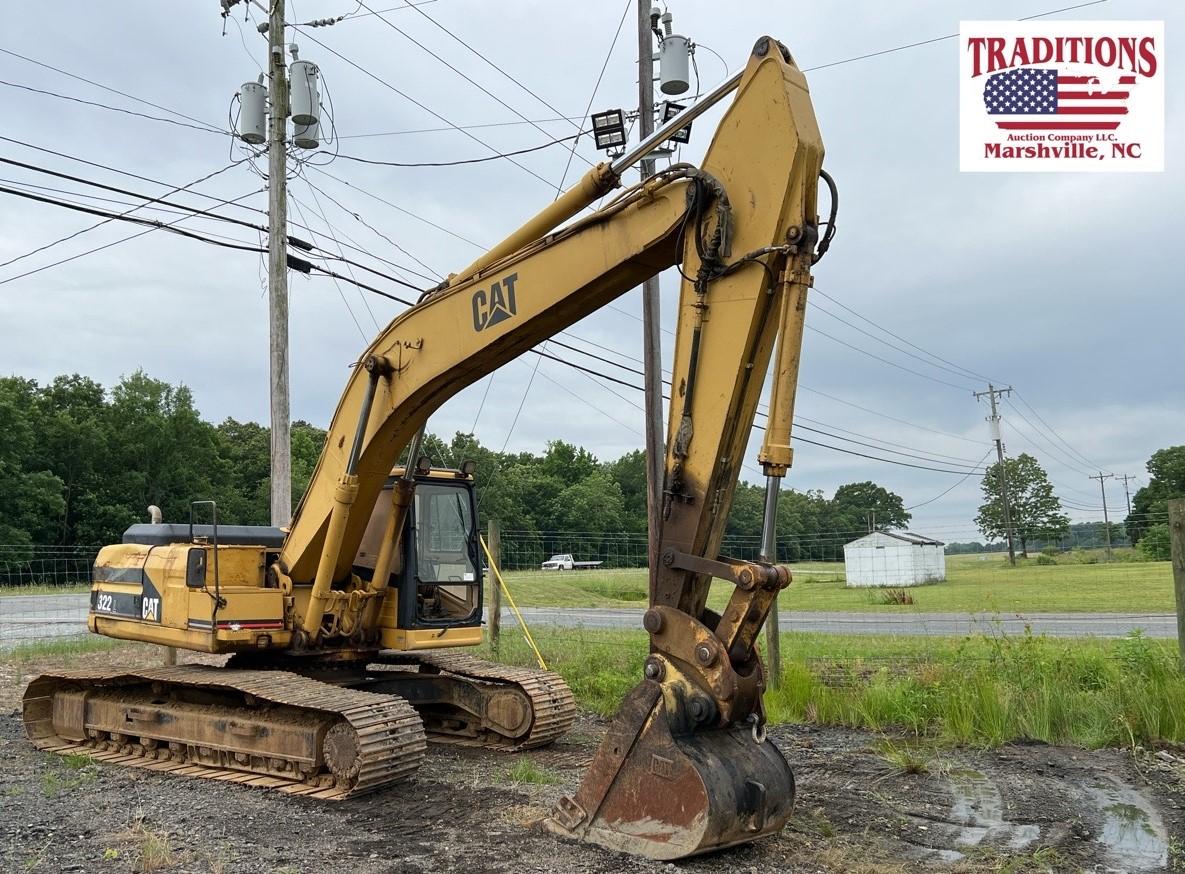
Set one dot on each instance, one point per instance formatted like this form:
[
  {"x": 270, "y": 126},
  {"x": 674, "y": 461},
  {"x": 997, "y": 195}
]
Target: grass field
[
  {"x": 974, "y": 584},
  {"x": 977, "y": 690}
]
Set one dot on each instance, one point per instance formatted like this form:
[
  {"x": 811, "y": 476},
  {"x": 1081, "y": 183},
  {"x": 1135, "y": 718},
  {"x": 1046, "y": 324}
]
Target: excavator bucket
[{"x": 660, "y": 791}]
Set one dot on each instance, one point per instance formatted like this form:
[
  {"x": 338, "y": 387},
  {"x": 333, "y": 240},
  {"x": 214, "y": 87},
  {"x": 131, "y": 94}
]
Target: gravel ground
[{"x": 1023, "y": 807}]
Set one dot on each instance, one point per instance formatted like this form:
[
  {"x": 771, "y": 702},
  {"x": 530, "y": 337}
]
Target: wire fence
[
  {"x": 524, "y": 549},
  {"x": 44, "y": 590}
]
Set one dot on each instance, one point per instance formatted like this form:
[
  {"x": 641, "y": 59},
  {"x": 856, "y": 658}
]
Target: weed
[
  {"x": 980, "y": 691},
  {"x": 62, "y": 647},
  {"x": 153, "y": 849},
  {"x": 526, "y": 771},
  {"x": 1043, "y": 860},
  {"x": 1176, "y": 854},
  {"x": 110, "y": 854},
  {"x": 896, "y": 596},
  {"x": 34, "y": 861},
  {"x": 813, "y": 822},
  {"x": 55, "y": 782},
  {"x": 908, "y": 758}
]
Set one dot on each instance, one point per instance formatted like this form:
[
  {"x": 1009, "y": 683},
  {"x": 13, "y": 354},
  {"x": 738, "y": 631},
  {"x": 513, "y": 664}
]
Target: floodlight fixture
[
  {"x": 608, "y": 129},
  {"x": 670, "y": 109}
]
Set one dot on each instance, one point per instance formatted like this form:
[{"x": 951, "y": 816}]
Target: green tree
[
  {"x": 1155, "y": 544},
  {"x": 567, "y": 463},
  {"x": 1150, "y": 503},
  {"x": 160, "y": 452},
  {"x": 856, "y": 505},
  {"x": 31, "y": 499},
  {"x": 629, "y": 472},
  {"x": 307, "y": 443},
  {"x": 72, "y": 438},
  {"x": 593, "y": 504},
  {"x": 1035, "y": 510},
  {"x": 244, "y": 487}
]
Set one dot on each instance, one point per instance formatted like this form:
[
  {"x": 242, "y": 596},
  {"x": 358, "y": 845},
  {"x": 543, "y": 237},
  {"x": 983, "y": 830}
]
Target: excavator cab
[{"x": 436, "y": 578}]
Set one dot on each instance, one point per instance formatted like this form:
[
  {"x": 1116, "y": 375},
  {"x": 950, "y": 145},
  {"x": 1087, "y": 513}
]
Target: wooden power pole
[
  {"x": 994, "y": 420},
  {"x": 277, "y": 294},
  {"x": 1106, "y": 520},
  {"x": 651, "y": 326},
  {"x": 1177, "y": 551},
  {"x": 1127, "y": 497}
]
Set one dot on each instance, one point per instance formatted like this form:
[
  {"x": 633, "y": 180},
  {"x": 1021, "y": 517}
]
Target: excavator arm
[{"x": 682, "y": 769}]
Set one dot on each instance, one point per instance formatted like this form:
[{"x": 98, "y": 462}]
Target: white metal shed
[{"x": 894, "y": 558}]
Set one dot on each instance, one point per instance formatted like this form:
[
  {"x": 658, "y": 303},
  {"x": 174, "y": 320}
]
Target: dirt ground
[{"x": 1023, "y": 807}]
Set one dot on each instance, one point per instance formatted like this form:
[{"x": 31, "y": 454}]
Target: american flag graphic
[{"x": 1033, "y": 99}]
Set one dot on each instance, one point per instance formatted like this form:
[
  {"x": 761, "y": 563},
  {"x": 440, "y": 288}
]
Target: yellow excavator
[{"x": 342, "y": 629}]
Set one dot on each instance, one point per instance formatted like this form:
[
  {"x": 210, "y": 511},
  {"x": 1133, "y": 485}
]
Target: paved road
[
  {"x": 26, "y": 618},
  {"x": 32, "y": 618},
  {"x": 938, "y": 624}
]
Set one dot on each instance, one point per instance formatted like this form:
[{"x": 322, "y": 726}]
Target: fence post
[
  {"x": 1177, "y": 551},
  {"x": 494, "y": 592}
]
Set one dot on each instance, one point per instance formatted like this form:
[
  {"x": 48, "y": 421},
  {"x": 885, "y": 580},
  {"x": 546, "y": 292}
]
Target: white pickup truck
[{"x": 565, "y": 562}]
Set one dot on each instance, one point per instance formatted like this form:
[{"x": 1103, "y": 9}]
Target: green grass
[
  {"x": 979, "y": 691},
  {"x": 526, "y": 771},
  {"x": 44, "y": 589},
  {"x": 974, "y": 584},
  {"x": 61, "y": 647}
]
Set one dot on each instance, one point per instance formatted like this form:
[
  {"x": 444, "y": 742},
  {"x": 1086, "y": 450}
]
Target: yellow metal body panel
[
  {"x": 140, "y": 593},
  {"x": 428, "y": 638}
]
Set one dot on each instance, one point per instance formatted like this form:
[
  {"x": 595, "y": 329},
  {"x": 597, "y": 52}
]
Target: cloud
[{"x": 1060, "y": 284}]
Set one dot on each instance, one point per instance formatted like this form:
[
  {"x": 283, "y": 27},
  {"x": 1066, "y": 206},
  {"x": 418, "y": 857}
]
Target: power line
[
  {"x": 1020, "y": 398},
  {"x": 396, "y": 207},
  {"x": 127, "y": 173},
  {"x": 935, "y": 39},
  {"x": 433, "y": 275},
  {"x": 886, "y": 360},
  {"x": 342, "y": 294},
  {"x": 111, "y": 90},
  {"x": 798, "y": 419},
  {"x": 422, "y": 106},
  {"x": 946, "y": 492},
  {"x": 956, "y": 369},
  {"x": 485, "y": 59},
  {"x": 435, "y": 130},
  {"x": 596, "y": 87},
  {"x": 109, "y": 108},
  {"x": 156, "y": 226},
  {"x": 498, "y": 157},
  {"x": 467, "y": 78},
  {"x": 350, "y": 16},
  {"x": 147, "y": 202}
]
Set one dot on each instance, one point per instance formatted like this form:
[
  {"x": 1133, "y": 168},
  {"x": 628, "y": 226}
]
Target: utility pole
[
  {"x": 1177, "y": 552},
  {"x": 1106, "y": 521},
  {"x": 277, "y": 260},
  {"x": 994, "y": 419},
  {"x": 651, "y": 326},
  {"x": 1127, "y": 497}
]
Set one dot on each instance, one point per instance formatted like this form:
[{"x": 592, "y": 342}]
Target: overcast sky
[{"x": 1061, "y": 285}]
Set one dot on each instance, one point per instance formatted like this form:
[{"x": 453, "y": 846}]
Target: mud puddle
[{"x": 1132, "y": 832}]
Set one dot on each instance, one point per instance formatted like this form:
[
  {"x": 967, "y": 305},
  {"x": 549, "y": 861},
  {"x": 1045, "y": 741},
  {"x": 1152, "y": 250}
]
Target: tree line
[{"x": 80, "y": 463}]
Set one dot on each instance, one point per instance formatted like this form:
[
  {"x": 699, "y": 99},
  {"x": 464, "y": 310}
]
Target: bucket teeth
[{"x": 657, "y": 791}]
